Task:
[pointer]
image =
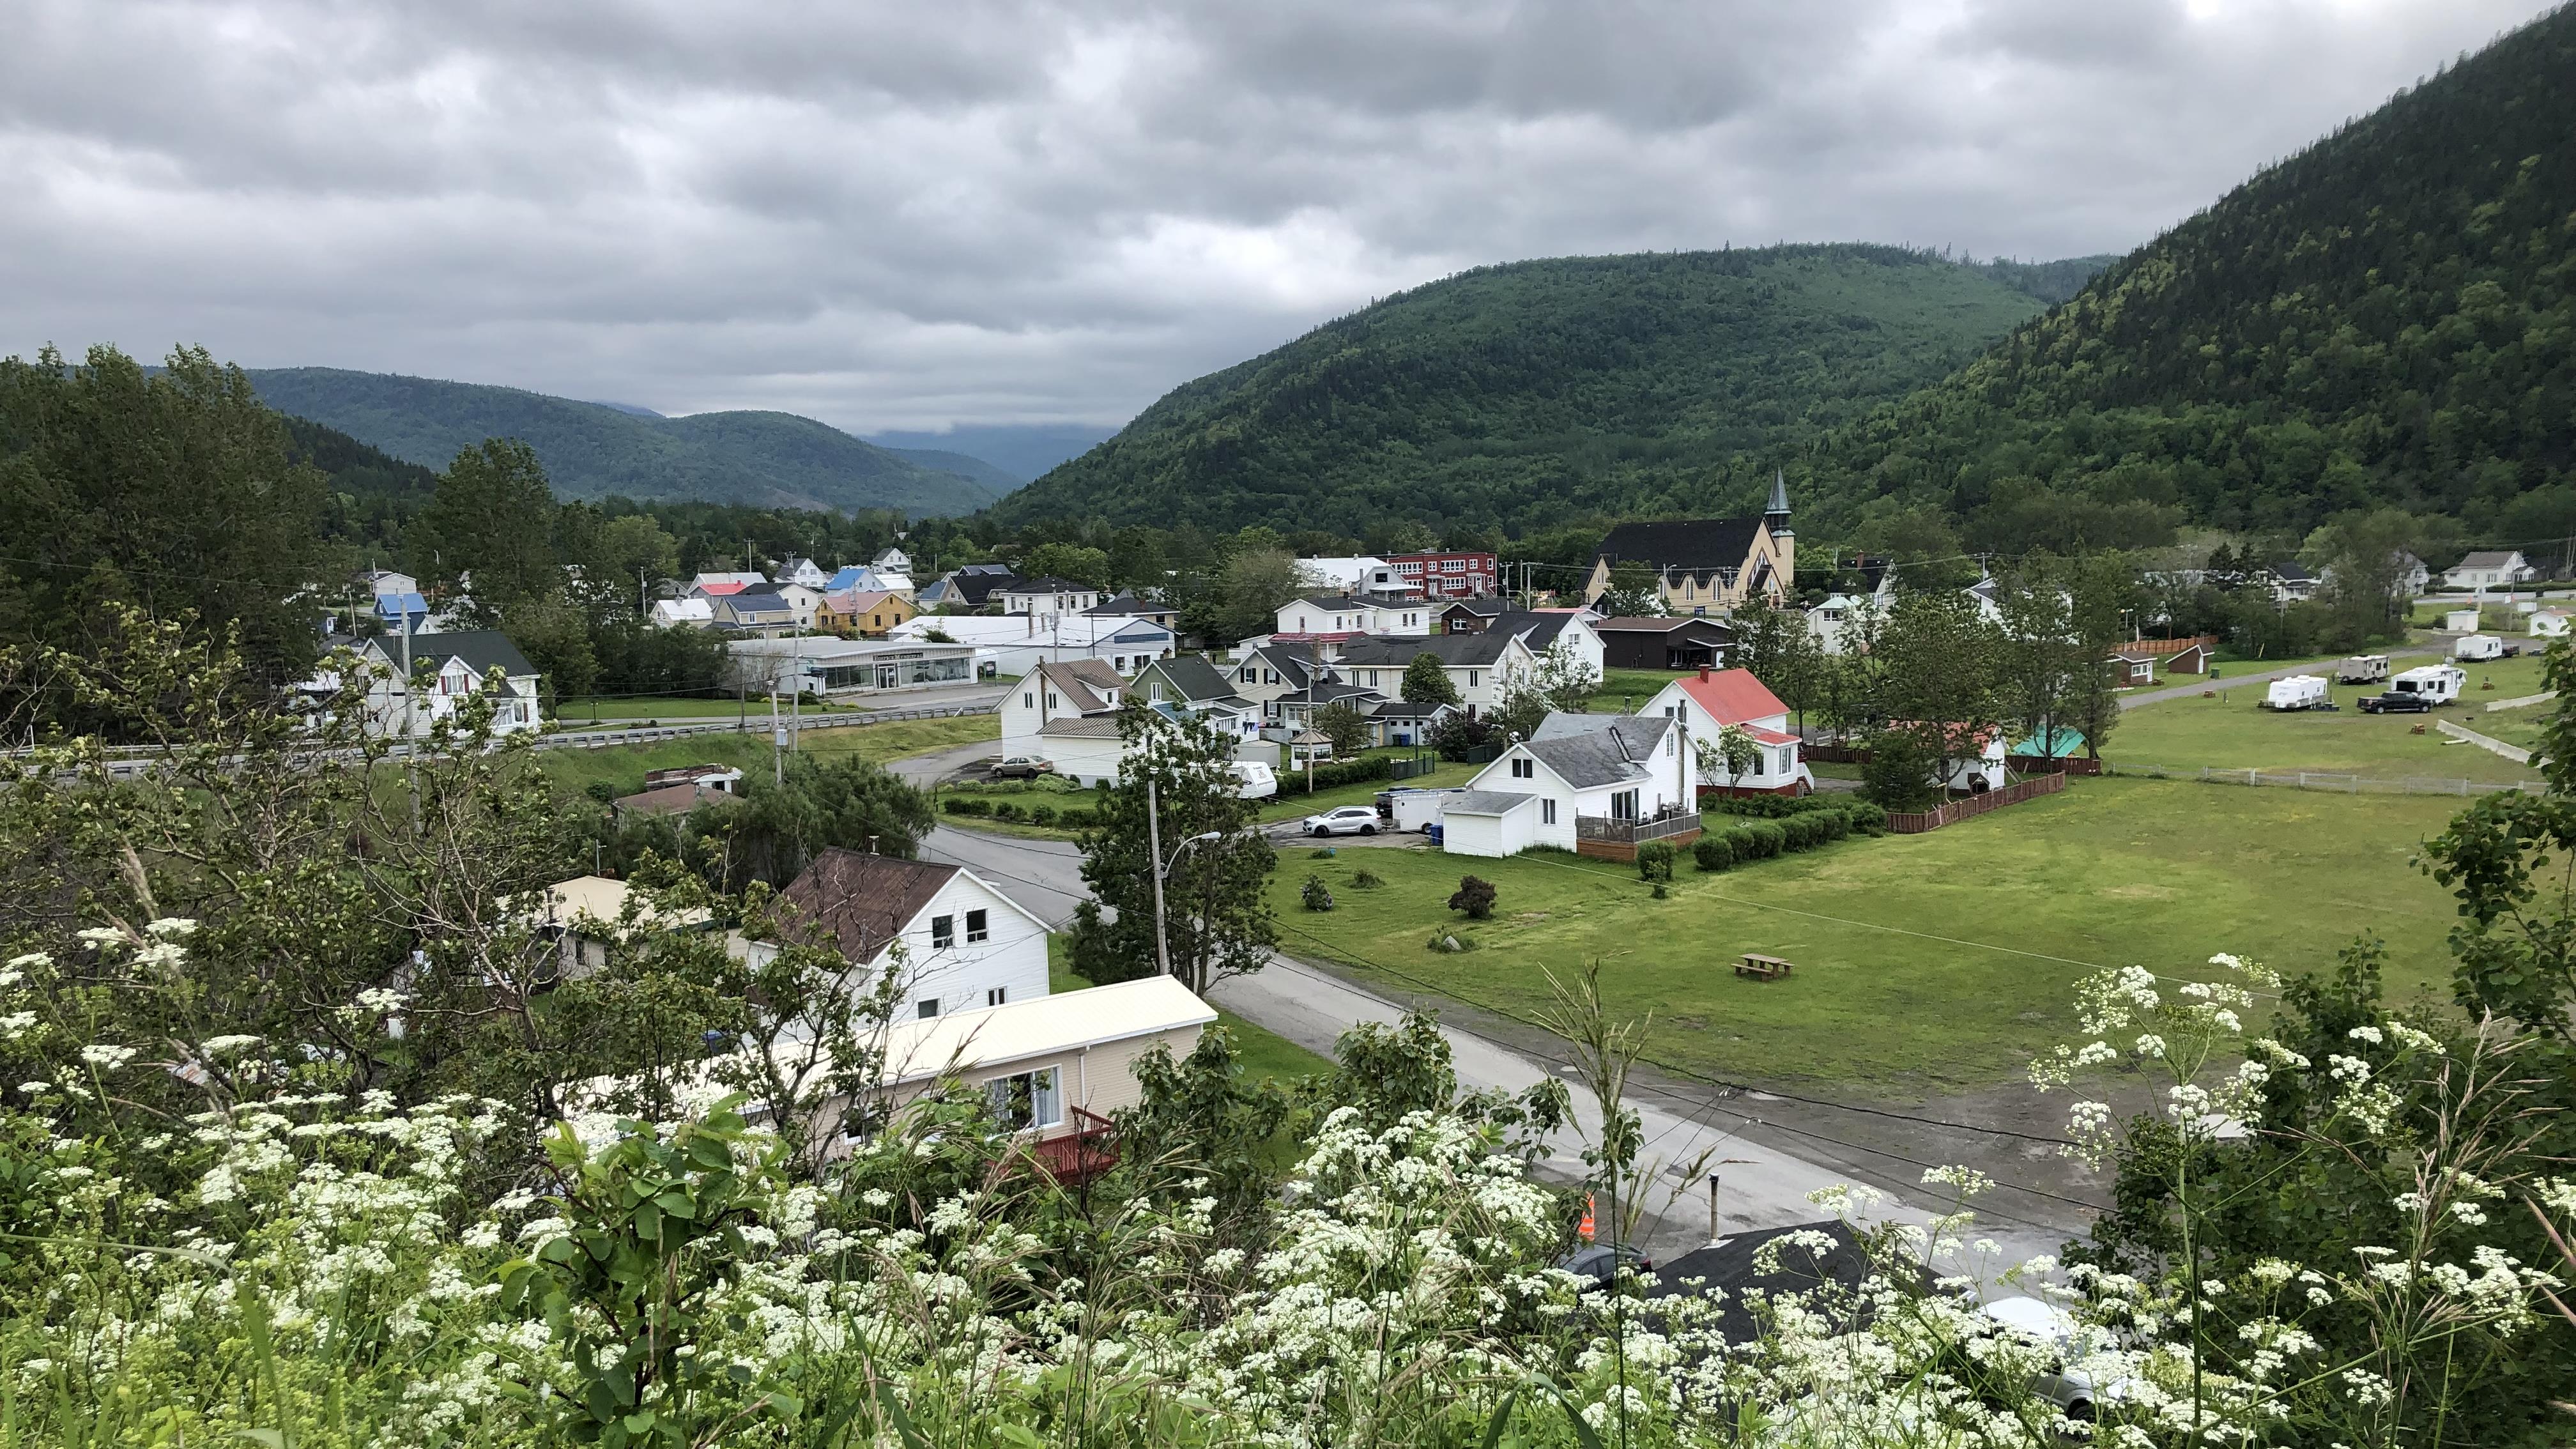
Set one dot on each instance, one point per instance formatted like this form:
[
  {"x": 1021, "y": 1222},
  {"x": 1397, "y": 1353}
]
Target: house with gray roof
[
  {"x": 1479, "y": 666},
  {"x": 1705, "y": 565},
  {"x": 1597, "y": 783}
]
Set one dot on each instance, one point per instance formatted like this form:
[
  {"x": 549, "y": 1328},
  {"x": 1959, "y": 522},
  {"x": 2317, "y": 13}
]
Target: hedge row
[
  {"x": 1341, "y": 772},
  {"x": 1794, "y": 831},
  {"x": 1065, "y": 819},
  {"x": 1768, "y": 807}
]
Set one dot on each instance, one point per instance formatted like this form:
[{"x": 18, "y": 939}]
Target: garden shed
[{"x": 1491, "y": 823}]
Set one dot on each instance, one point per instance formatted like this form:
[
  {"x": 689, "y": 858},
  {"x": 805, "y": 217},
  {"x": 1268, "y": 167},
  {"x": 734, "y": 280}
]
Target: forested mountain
[
  {"x": 1535, "y": 392},
  {"x": 593, "y": 450},
  {"x": 2388, "y": 318},
  {"x": 1017, "y": 451},
  {"x": 974, "y": 470}
]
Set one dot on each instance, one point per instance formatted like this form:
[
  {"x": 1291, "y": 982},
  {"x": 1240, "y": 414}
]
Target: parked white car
[
  {"x": 1348, "y": 820},
  {"x": 2064, "y": 1383}
]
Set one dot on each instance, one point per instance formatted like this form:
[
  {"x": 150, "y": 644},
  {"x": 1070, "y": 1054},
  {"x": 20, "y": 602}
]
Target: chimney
[{"x": 1703, "y": 674}]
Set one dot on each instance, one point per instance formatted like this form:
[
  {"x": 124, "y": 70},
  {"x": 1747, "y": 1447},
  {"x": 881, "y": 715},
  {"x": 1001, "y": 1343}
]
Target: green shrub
[
  {"x": 1663, "y": 891},
  {"x": 1341, "y": 772},
  {"x": 1006, "y": 810},
  {"x": 1760, "y": 840},
  {"x": 1655, "y": 861},
  {"x": 1837, "y": 823},
  {"x": 1041, "y": 815},
  {"x": 1315, "y": 895},
  {"x": 1475, "y": 896},
  {"x": 1054, "y": 785},
  {"x": 1322, "y": 852},
  {"x": 1073, "y": 819},
  {"x": 1366, "y": 880},
  {"x": 1866, "y": 817},
  {"x": 1713, "y": 852},
  {"x": 1800, "y": 832}
]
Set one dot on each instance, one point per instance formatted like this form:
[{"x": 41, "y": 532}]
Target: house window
[
  {"x": 926, "y": 1009},
  {"x": 1243, "y": 675},
  {"x": 1029, "y": 701},
  {"x": 1027, "y": 1100},
  {"x": 1623, "y": 806},
  {"x": 997, "y": 996},
  {"x": 1522, "y": 770},
  {"x": 1757, "y": 762},
  {"x": 1051, "y": 704},
  {"x": 975, "y": 927},
  {"x": 1547, "y": 812},
  {"x": 1672, "y": 746},
  {"x": 1471, "y": 678},
  {"x": 1786, "y": 764},
  {"x": 943, "y": 931}
]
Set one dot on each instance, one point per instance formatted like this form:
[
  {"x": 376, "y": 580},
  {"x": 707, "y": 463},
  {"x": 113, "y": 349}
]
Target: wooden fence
[
  {"x": 2021, "y": 764},
  {"x": 1915, "y": 822},
  {"x": 2166, "y": 646}
]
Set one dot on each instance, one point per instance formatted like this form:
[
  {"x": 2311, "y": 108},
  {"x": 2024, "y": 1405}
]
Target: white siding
[
  {"x": 960, "y": 977},
  {"x": 1494, "y": 836},
  {"x": 1084, "y": 758}
]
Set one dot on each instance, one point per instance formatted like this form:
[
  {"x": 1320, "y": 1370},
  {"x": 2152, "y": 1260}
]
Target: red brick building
[{"x": 1447, "y": 575}]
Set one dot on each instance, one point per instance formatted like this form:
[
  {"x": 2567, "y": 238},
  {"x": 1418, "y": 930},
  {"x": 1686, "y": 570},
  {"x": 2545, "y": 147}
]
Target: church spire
[{"x": 1777, "y": 515}]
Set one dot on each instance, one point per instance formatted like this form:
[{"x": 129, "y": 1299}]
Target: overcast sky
[{"x": 902, "y": 216}]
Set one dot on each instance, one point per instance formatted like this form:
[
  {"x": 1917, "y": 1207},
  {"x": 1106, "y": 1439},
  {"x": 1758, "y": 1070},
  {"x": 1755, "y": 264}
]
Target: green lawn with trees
[
  {"x": 621, "y": 768},
  {"x": 2233, "y": 732},
  {"x": 1922, "y": 961}
]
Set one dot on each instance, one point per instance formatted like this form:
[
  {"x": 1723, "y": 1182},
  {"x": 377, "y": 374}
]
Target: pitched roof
[
  {"x": 1732, "y": 696},
  {"x": 1452, "y": 650},
  {"x": 2489, "y": 560},
  {"x": 1087, "y": 727},
  {"x": 1295, "y": 667},
  {"x": 674, "y": 799},
  {"x": 1197, "y": 679},
  {"x": 1587, "y": 750},
  {"x": 1049, "y": 584},
  {"x": 1487, "y": 605},
  {"x": 480, "y": 649},
  {"x": 1694, "y": 544},
  {"x": 862, "y": 902},
  {"x": 1664, "y": 624},
  {"x": 1089, "y": 685},
  {"x": 2290, "y": 573},
  {"x": 1126, "y": 602},
  {"x": 1536, "y": 628},
  {"x": 958, "y": 1041},
  {"x": 1484, "y": 802}
]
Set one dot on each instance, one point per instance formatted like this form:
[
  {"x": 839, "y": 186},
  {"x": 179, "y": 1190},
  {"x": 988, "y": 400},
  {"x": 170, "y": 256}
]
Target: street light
[{"x": 1163, "y": 868}]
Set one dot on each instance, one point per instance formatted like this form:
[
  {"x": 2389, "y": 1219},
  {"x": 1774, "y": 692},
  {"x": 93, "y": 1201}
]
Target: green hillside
[
  {"x": 592, "y": 450},
  {"x": 973, "y": 470},
  {"x": 1526, "y": 394},
  {"x": 2387, "y": 318}
]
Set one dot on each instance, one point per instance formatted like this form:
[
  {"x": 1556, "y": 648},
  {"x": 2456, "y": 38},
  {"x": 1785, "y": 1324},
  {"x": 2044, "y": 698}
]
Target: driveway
[{"x": 1770, "y": 1153}]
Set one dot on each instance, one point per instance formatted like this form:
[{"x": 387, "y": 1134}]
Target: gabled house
[
  {"x": 1046, "y": 596},
  {"x": 2412, "y": 576},
  {"x": 1683, "y": 641},
  {"x": 1404, "y": 722},
  {"x": 955, "y": 941},
  {"x": 2490, "y": 570},
  {"x": 1067, "y": 690},
  {"x": 1272, "y": 672},
  {"x": 380, "y": 582},
  {"x": 969, "y": 588},
  {"x": 708, "y": 586},
  {"x": 1598, "y": 777},
  {"x": 762, "y": 609},
  {"x": 1836, "y": 622},
  {"x": 1191, "y": 682},
  {"x": 1706, "y": 565},
  {"x": 1471, "y": 616},
  {"x": 1542, "y": 629},
  {"x": 893, "y": 561},
  {"x": 868, "y": 613},
  {"x": 1716, "y": 699},
  {"x": 582, "y": 918},
  {"x": 1478, "y": 665},
  {"x": 1010, "y": 645},
  {"x": 684, "y": 613},
  {"x": 2129, "y": 668},
  {"x": 448, "y": 669},
  {"x": 2550, "y": 623},
  {"x": 803, "y": 571},
  {"x": 2290, "y": 582}
]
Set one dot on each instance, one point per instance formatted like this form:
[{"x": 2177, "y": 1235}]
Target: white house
[
  {"x": 1010, "y": 645},
  {"x": 1984, "y": 768},
  {"x": 1338, "y": 617},
  {"x": 1834, "y": 621},
  {"x": 2291, "y": 583},
  {"x": 1478, "y": 665},
  {"x": 956, "y": 942},
  {"x": 684, "y": 613},
  {"x": 2490, "y": 570},
  {"x": 2550, "y": 623},
  {"x": 1543, "y": 629},
  {"x": 802, "y": 600},
  {"x": 1358, "y": 574},
  {"x": 2412, "y": 576},
  {"x": 1045, "y": 596},
  {"x": 380, "y": 582},
  {"x": 1716, "y": 698},
  {"x": 805, "y": 572},
  {"x": 893, "y": 561},
  {"x": 584, "y": 915},
  {"x": 447, "y": 670},
  {"x": 1599, "y": 772},
  {"x": 1070, "y": 689}
]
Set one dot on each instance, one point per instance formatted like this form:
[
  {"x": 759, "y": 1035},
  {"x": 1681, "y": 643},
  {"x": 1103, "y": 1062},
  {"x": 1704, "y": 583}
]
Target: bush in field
[
  {"x": 1655, "y": 861},
  {"x": 1713, "y": 852},
  {"x": 1475, "y": 896},
  {"x": 1314, "y": 895},
  {"x": 1760, "y": 840},
  {"x": 1041, "y": 815}
]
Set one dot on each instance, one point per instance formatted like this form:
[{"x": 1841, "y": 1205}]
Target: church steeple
[{"x": 1776, "y": 517}]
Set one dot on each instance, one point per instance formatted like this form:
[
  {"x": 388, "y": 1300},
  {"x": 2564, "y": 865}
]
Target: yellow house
[{"x": 868, "y": 614}]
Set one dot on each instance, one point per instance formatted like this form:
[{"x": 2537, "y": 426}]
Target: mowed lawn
[
  {"x": 1908, "y": 984},
  {"x": 2234, "y": 732},
  {"x": 623, "y": 766}
]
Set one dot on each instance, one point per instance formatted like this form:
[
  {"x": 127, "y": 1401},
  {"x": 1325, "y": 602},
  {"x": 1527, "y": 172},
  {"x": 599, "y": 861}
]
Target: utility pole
[
  {"x": 411, "y": 761},
  {"x": 777, "y": 738},
  {"x": 1154, "y": 855},
  {"x": 1713, "y": 1239}
]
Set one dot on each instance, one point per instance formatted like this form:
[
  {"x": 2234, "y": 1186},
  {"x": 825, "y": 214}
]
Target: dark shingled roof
[
  {"x": 862, "y": 902},
  {"x": 1198, "y": 680},
  {"x": 1696, "y": 545},
  {"x": 1590, "y": 750},
  {"x": 1453, "y": 650},
  {"x": 481, "y": 649}
]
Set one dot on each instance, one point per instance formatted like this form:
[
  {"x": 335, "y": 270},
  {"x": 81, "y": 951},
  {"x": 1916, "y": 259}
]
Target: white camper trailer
[
  {"x": 2299, "y": 691},
  {"x": 2478, "y": 646},
  {"x": 2439, "y": 683},
  {"x": 1254, "y": 779},
  {"x": 2362, "y": 669}
]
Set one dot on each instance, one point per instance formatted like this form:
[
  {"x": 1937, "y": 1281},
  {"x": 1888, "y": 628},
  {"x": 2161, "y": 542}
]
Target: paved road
[
  {"x": 2232, "y": 680},
  {"x": 1766, "y": 1170}
]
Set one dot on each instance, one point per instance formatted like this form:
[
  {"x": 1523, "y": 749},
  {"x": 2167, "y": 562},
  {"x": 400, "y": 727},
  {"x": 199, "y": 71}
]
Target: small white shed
[
  {"x": 1490, "y": 823},
  {"x": 2461, "y": 621},
  {"x": 2549, "y": 624}
]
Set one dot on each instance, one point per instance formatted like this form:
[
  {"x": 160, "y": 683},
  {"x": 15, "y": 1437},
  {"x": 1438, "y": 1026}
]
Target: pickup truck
[{"x": 2397, "y": 702}]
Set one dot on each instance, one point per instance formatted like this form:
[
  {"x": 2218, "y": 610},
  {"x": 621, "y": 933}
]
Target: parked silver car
[{"x": 1348, "y": 820}]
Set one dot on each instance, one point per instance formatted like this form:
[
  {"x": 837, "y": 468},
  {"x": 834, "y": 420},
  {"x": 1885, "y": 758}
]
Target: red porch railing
[{"x": 1079, "y": 1155}]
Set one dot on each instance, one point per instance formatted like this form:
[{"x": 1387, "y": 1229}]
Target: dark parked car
[{"x": 2397, "y": 702}]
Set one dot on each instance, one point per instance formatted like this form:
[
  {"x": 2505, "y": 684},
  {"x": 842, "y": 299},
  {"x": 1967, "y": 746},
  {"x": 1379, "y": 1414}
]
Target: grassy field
[
  {"x": 623, "y": 766},
  {"x": 2232, "y": 732},
  {"x": 1266, "y": 1055},
  {"x": 1925, "y": 963},
  {"x": 1625, "y": 690}
]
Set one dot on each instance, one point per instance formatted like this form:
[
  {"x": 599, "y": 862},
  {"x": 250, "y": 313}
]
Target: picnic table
[{"x": 1761, "y": 967}]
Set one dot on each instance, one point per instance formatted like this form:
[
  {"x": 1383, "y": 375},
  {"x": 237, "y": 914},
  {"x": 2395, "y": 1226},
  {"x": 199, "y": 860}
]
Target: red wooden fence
[{"x": 1914, "y": 822}]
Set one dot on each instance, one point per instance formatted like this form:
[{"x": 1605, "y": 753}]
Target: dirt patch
[{"x": 2141, "y": 893}]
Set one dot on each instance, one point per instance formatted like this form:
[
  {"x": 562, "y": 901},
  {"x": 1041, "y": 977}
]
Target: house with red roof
[{"x": 1715, "y": 699}]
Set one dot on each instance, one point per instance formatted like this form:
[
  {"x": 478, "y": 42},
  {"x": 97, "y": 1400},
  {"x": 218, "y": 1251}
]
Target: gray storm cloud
[{"x": 988, "y": 211}]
